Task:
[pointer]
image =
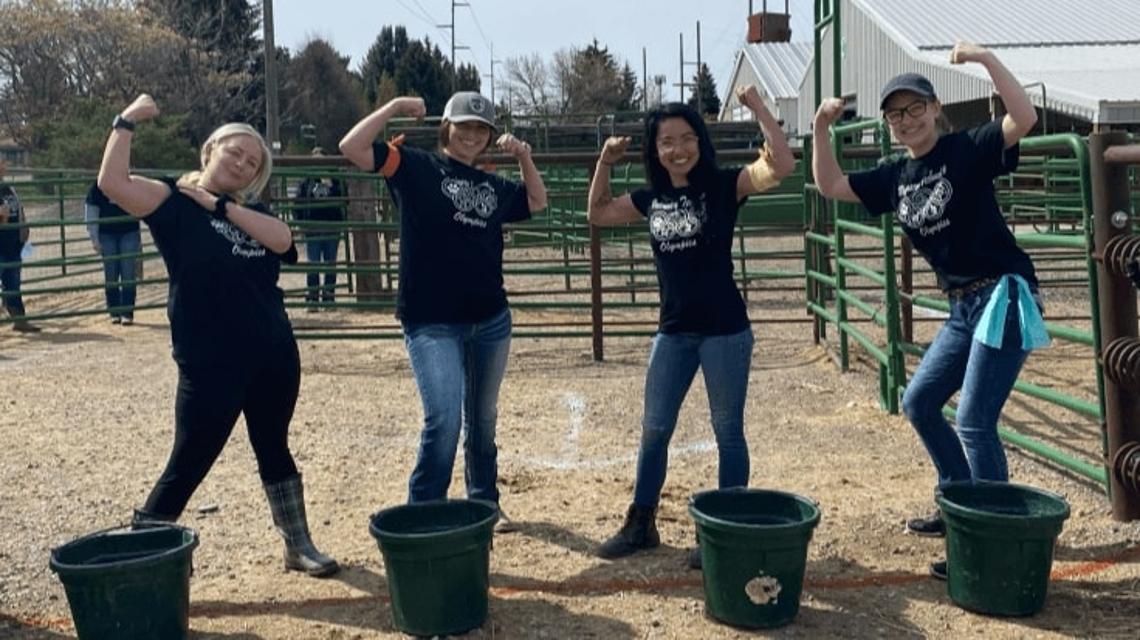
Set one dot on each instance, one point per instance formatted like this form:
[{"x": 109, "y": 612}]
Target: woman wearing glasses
[
  {"x": 942, "y": 193},
  {"x": 691, "y": 206}
]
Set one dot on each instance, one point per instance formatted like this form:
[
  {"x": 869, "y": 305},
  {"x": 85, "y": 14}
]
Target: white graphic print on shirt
[
  {"x": 676, "y": 223},
  {"x": 922, "y": 204},
  {"x": 321, "y": 189},
  {"x": 244, "y": 245},
  {"x": 467, "y": 198}
]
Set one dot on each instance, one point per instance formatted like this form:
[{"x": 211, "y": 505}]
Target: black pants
[{"x": 209, "y": 399}]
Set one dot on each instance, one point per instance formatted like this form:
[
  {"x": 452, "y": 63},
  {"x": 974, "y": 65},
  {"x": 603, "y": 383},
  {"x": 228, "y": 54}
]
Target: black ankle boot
[
  {"x": 638, "y": 532},
  {"x": 143, "y": 519}
]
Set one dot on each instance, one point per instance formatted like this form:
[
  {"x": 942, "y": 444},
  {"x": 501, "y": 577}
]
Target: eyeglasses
[
  {"x": 914, "y": 110},
  {"x": 669, "y": 144}
]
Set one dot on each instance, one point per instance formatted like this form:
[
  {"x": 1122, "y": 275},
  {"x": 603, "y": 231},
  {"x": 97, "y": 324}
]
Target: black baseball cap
[{"x": 912, "y": 82}]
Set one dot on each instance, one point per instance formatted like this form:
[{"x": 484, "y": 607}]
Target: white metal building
[
  {"x": 1078, "y": 58},
  {"x": 778, "y": 70}
]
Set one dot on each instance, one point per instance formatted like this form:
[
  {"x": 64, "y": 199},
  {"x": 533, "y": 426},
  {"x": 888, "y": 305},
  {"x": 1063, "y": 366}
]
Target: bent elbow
[{"x": 785, "y": 168}]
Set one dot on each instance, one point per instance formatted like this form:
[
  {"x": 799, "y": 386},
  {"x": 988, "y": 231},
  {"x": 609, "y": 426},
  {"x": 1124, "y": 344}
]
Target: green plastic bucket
[
  {"x": 437, "y": 558},
  {"x": 128, "y": 584},
  {"x": 754, "y": 552},
  {"x": 999, "y": 545}
]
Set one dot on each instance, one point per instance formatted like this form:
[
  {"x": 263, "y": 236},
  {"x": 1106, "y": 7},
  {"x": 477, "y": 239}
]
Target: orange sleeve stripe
[{"x": 392, "y": 162}]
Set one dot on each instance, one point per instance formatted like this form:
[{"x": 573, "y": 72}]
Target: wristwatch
[
  {"x": 219, "y": 212},
  {"x": 122, "y": 123}
]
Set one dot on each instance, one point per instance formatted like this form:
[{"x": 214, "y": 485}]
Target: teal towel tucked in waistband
[{"x": 991, "y": 328}]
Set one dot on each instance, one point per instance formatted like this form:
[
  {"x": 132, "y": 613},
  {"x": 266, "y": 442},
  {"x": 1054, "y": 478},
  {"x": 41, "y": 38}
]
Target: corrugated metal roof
[
  {"x": 780, "y": 66},
  {"x": 1106, "y": 72},
  {"x": 926, "y": 24}
]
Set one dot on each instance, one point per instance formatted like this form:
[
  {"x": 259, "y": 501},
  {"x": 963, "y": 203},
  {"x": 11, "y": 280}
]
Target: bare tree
[{"x": 530, "y": 84}]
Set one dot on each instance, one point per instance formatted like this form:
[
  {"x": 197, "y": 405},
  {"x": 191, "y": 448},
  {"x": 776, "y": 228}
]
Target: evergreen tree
[
  {"x": 630, "y": 95},
  {"x": 381, "y": 61},
  {"x": 706, "y": 89},
  {"x": 324, "y": 93}
]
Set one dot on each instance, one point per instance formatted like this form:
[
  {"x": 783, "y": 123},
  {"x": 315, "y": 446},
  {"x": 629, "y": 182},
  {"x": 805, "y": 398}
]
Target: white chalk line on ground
[{"x": 571, "y": 457}]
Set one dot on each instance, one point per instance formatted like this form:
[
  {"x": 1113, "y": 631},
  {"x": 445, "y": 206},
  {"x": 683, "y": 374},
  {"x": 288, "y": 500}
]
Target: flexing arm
[
  {"x": 356, "y": 145},
  {"x": 602, "y": 209},
  {"x": 535, "y": 188},
  {"x": 1020, "y": 115},
  {"x": 829, "y": 177},
  {"x": 136, "y": 195},
  {"x": 776, "y": 161}
]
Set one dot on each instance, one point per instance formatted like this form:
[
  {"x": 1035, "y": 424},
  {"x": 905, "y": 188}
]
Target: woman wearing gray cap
[
  {"x": 451, "y": 302},
  {"x": 943, "y": 195}
]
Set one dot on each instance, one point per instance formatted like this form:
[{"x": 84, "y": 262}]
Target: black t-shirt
[
  {"x": 10, "y": 244},
  {"x": 224, "y": 304},
  {"x": 451, "y": 236},
  {"x": 946, "y": 204},
  {"x": 691, "y": 234},
  {"x": 108, "y": 209},
  {"x": 327, "y": 192}
]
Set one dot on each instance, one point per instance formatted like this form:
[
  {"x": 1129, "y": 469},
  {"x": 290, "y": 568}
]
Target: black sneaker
[
  {"x": 938, "y": 570},
  {"x": 931, "y": 526}
]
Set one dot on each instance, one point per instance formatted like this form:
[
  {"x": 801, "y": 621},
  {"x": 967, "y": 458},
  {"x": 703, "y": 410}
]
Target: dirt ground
[
  {"x": 86, "y": 427},
  {"x": 86, "y": 424}
]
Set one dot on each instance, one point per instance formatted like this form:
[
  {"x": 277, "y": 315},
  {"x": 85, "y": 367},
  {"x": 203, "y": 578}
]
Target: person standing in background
[
  {"x": 13, "y": 237},
  {"x": 115, "y": 236}
]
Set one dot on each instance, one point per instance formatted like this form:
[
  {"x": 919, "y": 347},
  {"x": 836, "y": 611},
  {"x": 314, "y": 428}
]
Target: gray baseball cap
[{"x": 469, "y": 106}]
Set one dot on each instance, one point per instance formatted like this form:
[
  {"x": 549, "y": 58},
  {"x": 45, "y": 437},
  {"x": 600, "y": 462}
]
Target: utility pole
[
  {"x": 681, "y": 37},
  {"x": 272, "y": 128},
  {"x": 697, "y": 89},
  {"x": 492, "y": 74},
  {"x": 644, "y": 82},
  {"x": 451, "y": 27}
]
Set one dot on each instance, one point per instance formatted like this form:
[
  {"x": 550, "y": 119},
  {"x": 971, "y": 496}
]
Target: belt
[{"x": 958, "y": 293}]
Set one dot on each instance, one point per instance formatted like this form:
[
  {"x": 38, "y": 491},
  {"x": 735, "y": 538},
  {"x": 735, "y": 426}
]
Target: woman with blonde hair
[{"x": 233, "y": 343}]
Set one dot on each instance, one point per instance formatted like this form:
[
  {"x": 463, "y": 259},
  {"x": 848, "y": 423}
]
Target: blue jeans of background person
[
  {"x": 725, "y": 361},
  {"x": 117, "y": 269},
  {"x": 984, "y": 374},
  {"x": 10, "y": 283},
  {"x": 458, "y": 369},
  {"x": 321, "y": 248}
]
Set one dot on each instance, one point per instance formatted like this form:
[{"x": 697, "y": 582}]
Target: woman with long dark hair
[{"x": 691, "y": 207}]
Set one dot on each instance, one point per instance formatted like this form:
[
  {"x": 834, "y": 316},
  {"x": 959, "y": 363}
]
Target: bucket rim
[
  {"x": 699, "y": 515},
  {"x": 489, "y": 521},
  {"x": 957, "y": 509},
  {"x": 186, "y": 546}
]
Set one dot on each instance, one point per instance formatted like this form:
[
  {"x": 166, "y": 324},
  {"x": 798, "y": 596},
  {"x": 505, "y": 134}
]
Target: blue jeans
[
  {"x": 985, "y": 376},
  {"x": 116, "y": 270},
  {"x": 673, "y": 361},
  {"x": 321, "y": 248},
  {"x": 458, "y": 370},
  {"x": 10, "y": 284}
]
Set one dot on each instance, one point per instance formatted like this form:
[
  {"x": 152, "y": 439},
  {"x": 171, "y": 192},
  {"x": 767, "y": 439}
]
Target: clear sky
[{"x": 522, "y": 27}]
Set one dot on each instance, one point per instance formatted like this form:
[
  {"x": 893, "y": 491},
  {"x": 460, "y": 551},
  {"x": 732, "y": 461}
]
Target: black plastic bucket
[{"x": 128, "y": 584}]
